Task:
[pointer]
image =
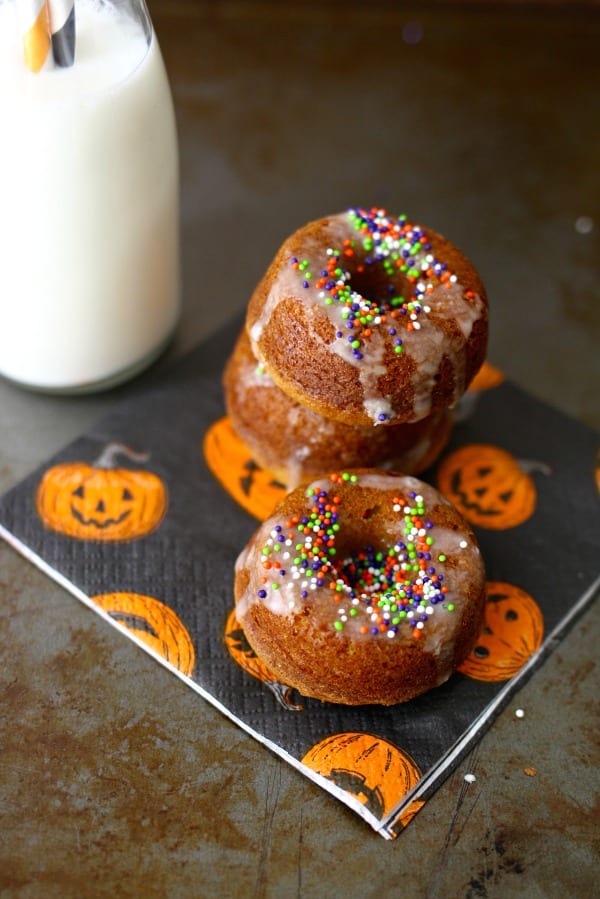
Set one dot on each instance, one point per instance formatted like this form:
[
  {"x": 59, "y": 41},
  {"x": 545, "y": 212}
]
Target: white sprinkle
[
  {"x": 519, "y": 713},
  {"x": 416, "y": 326},
  {"x": 470, "y": 778},
  {"x": 420, "y": 625},
  {"x": 286, "y": 556},
  {"x": 584, "y": 224},
  {"x": 463, "y": 544},
  {"x": 391, "y": 634}
]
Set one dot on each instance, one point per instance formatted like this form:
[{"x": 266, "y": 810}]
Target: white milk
[{"x": 89, "y": 258}]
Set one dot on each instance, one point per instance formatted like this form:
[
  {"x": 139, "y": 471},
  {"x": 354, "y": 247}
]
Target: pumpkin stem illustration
[
  {"x": 530, "y": 466},
  {"x": 282, "y": 695},
  {"x": 107, "y": 458}
]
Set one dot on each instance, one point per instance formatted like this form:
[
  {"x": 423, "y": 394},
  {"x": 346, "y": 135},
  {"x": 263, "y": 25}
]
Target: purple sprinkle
[
  {"x": 262, "y": 593},
  {"x": 305, "y": 284}
]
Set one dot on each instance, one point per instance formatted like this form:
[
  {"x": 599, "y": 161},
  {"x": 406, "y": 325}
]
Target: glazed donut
[
  {"x": 369, "y": 320},
  {"x": 362, "y": 587},
  {"x": 296, "y": 443}
]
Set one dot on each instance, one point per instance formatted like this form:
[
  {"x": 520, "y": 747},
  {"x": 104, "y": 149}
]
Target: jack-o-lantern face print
[
  {"x": 373, "y": 770},
  {"x": 242, "y": 653},
  {"x": 231, "y": 462},
  {"x": 512, "y": 631},
  {"x": 488, "y": 485},
  {"x": 101, "y": 501},
  {"x": 154, "y": 623}
]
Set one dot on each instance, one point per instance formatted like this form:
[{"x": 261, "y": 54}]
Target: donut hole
[
  {"x": 366, "y": 556},
  {"x": 372, "y": 283}
]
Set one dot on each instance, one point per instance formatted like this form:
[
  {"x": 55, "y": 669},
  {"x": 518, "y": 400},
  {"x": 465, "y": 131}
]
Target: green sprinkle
[
  {"x": 441, "y": 557},
  {"x": 450, "y": 606},
  {"x": 338, "y": 625}
]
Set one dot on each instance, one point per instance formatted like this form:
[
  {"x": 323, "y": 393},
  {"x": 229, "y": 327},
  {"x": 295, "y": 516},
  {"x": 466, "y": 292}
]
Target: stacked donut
[{"x": 360, "y": 338}]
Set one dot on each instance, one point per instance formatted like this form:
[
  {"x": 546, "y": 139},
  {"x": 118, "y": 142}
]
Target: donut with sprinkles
[
  {"x": 369, "y": 319},
  {"x": 362, "y": 587}
]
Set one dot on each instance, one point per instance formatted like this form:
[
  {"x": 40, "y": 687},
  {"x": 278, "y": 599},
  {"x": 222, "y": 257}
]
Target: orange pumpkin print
[
  {"x": 489, "y": 486},
  {"x": 231, "y": 462},
  {"x": 486, "y": 378},
  {"x": 154, "y": 623},
  {"x": 242, "y": 653},
  {"x": 102, "y": 501},
  {"x": 369, "y": 768},
  {"x": 513, "y": 629}
]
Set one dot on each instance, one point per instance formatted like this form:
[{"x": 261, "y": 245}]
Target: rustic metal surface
[{"x": 117, "y": 780}]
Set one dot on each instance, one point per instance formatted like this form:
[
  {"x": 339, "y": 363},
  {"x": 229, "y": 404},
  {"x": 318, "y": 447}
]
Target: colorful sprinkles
[
  {"x": 395, "y": 245},
  {"x": 382, "y": 589}
]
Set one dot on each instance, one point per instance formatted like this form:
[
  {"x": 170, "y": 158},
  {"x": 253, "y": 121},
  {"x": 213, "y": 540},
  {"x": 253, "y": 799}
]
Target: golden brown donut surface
[
  {"x": 369, "y": 319},
  {"x": 296, "y": 443},
  {"x": 362, "y": 587}
]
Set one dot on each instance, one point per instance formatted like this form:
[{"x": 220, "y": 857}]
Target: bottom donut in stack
[
  {"x": 362, "y": 587},
  {"x": 296, "y": 443}
]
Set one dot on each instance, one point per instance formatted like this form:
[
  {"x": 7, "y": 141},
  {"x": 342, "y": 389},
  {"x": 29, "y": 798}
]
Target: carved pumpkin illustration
[
  {"x": 154, "y": 623},
  {"x": 102, "y": 501},
  {"x": 242, "y": 653},
  {"x": 372, "y": 769},
  {"x": 512, "y": 631},
  {"x": 486, "y": 378},
  {"x": 489, "y": 486},
  {"x": 231, "y": 462}
]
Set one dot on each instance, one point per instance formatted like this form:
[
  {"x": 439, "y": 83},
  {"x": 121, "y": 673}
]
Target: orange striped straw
[{"x": 35, "y": 28}]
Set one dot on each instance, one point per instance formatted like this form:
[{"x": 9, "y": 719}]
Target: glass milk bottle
[{"x": 89, "y": 243}]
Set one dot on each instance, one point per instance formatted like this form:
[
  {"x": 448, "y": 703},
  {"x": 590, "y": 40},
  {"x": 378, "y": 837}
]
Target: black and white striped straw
[{"x": 62, "y": 28}]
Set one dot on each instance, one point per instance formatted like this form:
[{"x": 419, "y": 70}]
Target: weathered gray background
[{"x": 117, "y": 780}]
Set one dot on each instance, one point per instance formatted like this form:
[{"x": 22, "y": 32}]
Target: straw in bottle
[
  {"x": 62, "y": 29},
  {"x": 35, "y": 28}
]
